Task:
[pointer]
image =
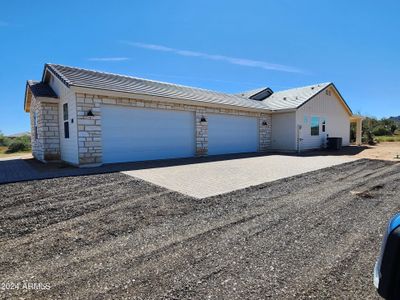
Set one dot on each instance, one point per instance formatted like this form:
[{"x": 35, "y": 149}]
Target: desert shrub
[
  {"x": 393, "y": 128},
  {"x": 369, "y": 138},
  {"x": 352, "y": 132},
  {"x": 4, "y": 141},
  {"x": 22, "y": 143},
  {"x": 381, "y": 130}
]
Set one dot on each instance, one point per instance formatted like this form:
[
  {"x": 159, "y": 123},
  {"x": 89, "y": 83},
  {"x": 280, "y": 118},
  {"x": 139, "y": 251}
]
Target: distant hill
[
  {"x": 396, "y": 119},
  {"x": 19, "y": 134}
]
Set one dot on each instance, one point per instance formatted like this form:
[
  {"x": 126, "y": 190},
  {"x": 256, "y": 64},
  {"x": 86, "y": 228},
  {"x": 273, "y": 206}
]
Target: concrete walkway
[{"x": 206, "y": 179}]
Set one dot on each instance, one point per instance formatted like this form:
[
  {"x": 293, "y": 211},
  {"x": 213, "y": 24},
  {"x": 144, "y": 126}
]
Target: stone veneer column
[
  {"x": 51, "y": 132},
  {"x": 46, "y": 147},
  {"x": 201, "y": 133},
  {"x": 265, "y": 132},
  {"x": 89, "y": 129}
]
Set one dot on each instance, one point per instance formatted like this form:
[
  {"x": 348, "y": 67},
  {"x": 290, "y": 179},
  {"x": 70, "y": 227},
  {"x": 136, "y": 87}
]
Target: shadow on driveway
[{"x": 15, "y": 170}]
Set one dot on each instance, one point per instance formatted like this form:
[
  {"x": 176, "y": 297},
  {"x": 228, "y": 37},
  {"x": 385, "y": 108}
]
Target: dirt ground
[
  {"x": 386, "y": 151},
  {"x": 111, "y": 236}
]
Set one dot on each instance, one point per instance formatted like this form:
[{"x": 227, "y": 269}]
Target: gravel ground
[{"x": 111, "y": 236}]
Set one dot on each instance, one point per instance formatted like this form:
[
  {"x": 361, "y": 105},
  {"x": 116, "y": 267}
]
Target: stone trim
[
  {"x": 89, "y": 127},
  {"x": 265, "y": 132},
  {"x": 201, "y": 133}
]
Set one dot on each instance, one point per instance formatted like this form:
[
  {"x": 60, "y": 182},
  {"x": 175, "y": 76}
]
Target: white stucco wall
[
  {"x": 68, "y": 147},
  {"x": 283, "y": 136},
  {"x": 330, "y": 108}
]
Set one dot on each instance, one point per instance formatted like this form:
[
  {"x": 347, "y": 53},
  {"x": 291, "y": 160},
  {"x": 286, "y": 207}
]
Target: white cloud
[
  {"x": 108, "y": 58},
  {"x": 232, "y": 60}
]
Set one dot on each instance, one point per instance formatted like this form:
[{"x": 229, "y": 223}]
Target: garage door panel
[
  {"x": 232, "y": 134},
  {"x": 134, "y": 134}
]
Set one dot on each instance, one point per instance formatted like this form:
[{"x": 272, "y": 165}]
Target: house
[{"x": 87, "y": 118}]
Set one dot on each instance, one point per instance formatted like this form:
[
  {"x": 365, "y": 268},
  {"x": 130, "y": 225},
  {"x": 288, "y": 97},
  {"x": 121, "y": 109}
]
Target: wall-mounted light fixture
[
  {"x": 203, "y": 119},
  {"x": 90, "y": 113},
  {"x": 264, "y": 123}
]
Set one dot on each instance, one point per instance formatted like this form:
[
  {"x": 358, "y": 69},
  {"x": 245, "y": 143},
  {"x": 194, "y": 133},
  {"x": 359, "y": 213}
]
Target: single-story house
[{"x": 86, "y": 118}]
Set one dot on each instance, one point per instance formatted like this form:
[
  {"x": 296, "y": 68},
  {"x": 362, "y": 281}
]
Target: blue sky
[{"x": 229, "y": 46}]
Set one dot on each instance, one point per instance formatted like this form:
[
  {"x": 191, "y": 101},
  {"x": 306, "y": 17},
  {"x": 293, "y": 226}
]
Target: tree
[
  {"x": 393, "y": 128},
  {"x": 4, "y": 141}
]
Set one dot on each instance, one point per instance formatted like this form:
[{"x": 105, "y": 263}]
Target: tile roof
[
  {"x": 113, "y": 82},
  {"x": 41, "y": 89}
]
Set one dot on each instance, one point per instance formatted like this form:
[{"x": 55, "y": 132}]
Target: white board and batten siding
[
  {"x": 326, "y": 107},
  {"x": 232, "y": 134},
  {"x": 137, "y": 134},
  {"x": 68, "y": 147}
]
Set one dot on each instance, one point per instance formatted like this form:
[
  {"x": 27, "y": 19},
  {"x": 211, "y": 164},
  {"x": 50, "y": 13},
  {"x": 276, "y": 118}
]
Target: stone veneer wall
[
  {"x": 89, "y": 127},
  {"x": 47, "y": 146}
]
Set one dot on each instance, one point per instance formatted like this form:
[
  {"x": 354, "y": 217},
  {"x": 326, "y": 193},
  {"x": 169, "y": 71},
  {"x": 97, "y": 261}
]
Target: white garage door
[
  {"x": 135, "y": 134},
  {"x": 232, "y": 134}
]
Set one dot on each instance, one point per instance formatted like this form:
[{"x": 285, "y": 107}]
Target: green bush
[
  {"x": 369, "y": 138},
  {"x": 393, "y": 128},
  {"x": 4, "y": 141},
  {"x": 381, "y": 130},
  {"x": 19, "y": 144}
]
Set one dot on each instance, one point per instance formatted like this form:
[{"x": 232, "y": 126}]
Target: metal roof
[
  {"x": 280, "y": 100},
  {"x": 294, "y": 98},
  {"x": 41, "y": 89},
  {"x": 250, "y": 93},
  {"x": 72, "y": 76}
]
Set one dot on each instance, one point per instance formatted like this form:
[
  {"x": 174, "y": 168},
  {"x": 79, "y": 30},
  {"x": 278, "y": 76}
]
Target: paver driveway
[{"x": 206, "y": 179}]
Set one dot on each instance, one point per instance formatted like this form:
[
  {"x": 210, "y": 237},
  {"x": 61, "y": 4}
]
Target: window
[
  {"x": 314, "y": 126},
  {"x": 66, "y": 130},
  {"x": 65, "y": 111},
  {"x": 65, "y": 118},
  {"x": 323, "y": 125},
  {"x": 35, "y": 125}
]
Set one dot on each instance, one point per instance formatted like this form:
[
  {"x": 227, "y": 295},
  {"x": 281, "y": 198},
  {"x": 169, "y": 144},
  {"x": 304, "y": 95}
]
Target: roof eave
[
  {"x": 28, "y": 98},
  {"x": 27, "y": 106},
  {"x": 349, "y": 111},
  {"x": 284, "y": 110},
  {"x": 148, "y": 97},
  {"x": 50, "y": 69}
]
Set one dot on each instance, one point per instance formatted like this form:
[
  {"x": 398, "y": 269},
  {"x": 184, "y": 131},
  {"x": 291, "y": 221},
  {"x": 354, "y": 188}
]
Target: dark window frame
[
  {"x": 66, "y": 123},
  {"x": 66, "y": 130},
  {"x": 35, "y": 125},
  {"x": 65, "y": 111}
]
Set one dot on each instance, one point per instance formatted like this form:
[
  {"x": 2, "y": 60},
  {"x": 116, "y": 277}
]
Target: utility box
[{"x": 335, "y": 143}]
